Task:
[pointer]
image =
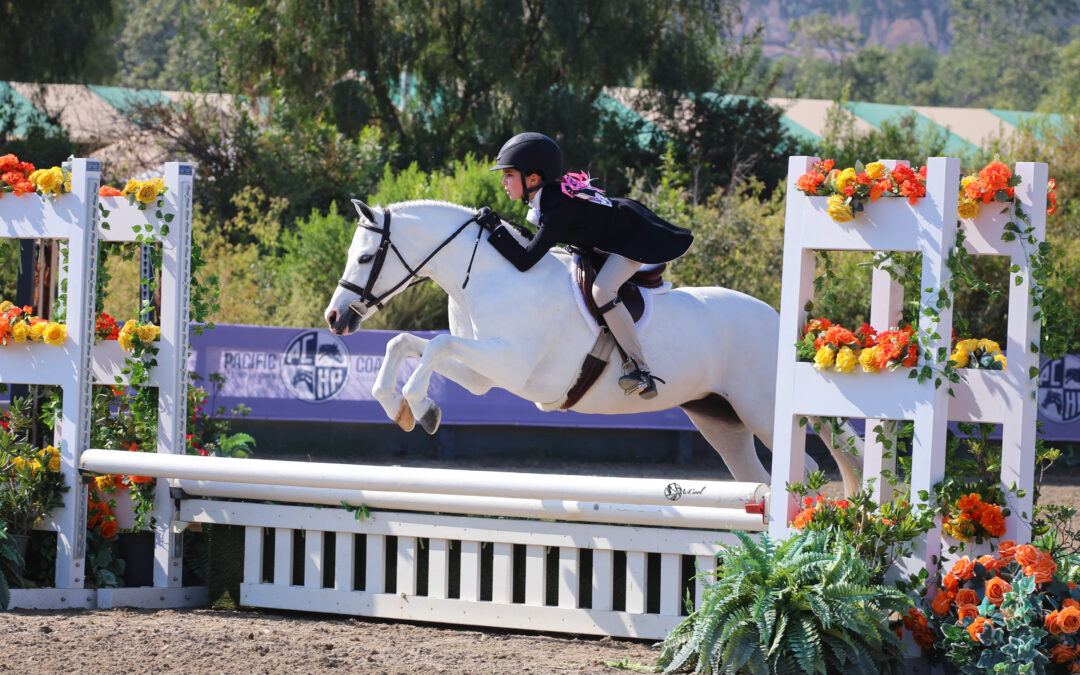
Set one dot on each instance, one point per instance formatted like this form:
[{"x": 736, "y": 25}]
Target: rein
[{"x": 367, "y": 298}]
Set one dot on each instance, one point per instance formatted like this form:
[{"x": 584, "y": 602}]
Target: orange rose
[
  {"x": 809, "y": 182},
  {"x": 1069, "y": 602},
  {"x": 1007, "y": 550},
  {"x": 1050, "y": 622},
  {"x": 1027, "y": 555},
  {"x": 964, "y": 569},
  {"x": 992, "y": 520},
  {"x": 1062, "y": 653},
  {"x": 989, "y": 562},
  {"x": 924, "y": 638},
  {"x": 1069, "y": 620},
  {"x": 969, "y": 503},
  {"x": 996, "y": 589},
  {"x": 914, "y": 619},
  {"x": 967, "y": 596},
  {"x": 108, "y": 529},
  {"x": 977, "y": 626},
  {"x": 950, "y": 583},
  {"x": 966, "y": 611},
  {"x": 995, "y": 176},
  {"x": 941, "y": 603}
]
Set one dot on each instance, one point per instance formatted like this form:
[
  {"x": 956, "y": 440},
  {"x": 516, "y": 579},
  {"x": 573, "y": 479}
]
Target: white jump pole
[
  {"x": 696, "y": 517},
  {"x": 649, "y": 491}
]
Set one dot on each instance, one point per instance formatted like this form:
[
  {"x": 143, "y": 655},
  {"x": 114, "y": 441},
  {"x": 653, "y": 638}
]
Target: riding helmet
[{"x": 531, "y": 152}]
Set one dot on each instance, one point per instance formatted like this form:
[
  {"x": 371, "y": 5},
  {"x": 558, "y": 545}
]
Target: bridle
[{"x": 367, "y": 298}]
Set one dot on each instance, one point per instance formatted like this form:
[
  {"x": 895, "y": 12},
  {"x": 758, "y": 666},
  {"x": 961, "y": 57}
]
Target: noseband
[{"x": 367, "y": 298}]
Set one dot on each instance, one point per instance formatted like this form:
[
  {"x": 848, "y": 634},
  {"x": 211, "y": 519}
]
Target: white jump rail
[
  {"x": 1003, "y": 397},
  {"x": 623, "y": 569}
]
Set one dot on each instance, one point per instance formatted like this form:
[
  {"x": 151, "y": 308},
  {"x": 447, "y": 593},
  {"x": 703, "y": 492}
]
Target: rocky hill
[{"x": 878, "y": 22}]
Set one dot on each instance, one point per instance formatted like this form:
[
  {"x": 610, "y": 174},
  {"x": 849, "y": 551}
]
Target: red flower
[
  {"x": 825, "y": 166},
  {"x": 913, "y": 190},
  {"x": 903, "y": 173},
  {"x": 1051, "y": 197},
  {"x": 809, "y": 182},
  {"x": 109, "y": 191}
]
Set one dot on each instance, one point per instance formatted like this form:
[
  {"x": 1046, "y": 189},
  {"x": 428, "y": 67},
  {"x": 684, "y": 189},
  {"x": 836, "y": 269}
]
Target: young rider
[{"x": 566, "y": 209}]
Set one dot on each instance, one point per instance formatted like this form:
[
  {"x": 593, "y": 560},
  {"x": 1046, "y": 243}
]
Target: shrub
[{"x": 805, "y": 605}]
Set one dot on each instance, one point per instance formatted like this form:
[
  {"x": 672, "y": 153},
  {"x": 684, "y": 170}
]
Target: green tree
[
  {"x": 445, "y": 79},
  {"x": 158, "y": 45},
  {"x": 56, "y": 41},
  {"x": 1000, "y": 47}
]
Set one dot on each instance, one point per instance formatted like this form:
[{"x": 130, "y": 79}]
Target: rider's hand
[{"x": 487, "y": 218}]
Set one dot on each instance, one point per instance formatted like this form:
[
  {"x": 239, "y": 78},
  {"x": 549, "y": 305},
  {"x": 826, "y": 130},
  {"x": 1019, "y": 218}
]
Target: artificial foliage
[
  {"x": 804, "y": 605},
  {"x": 11, "y": 567}
]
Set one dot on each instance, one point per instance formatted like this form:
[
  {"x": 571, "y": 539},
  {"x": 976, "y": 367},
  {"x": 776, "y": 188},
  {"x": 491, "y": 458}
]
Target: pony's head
[{"x": 371, "y": 272}]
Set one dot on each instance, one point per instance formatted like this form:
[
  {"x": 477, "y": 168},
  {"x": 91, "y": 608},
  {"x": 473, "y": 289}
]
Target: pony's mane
[{"x": 465, "y": 209}]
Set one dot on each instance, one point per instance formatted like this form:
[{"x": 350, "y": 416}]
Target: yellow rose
[
  {"x": 147, "y": 193},
  {"x": 823, "y": 358},
  {"x": 159, "y": 184},
  {"x": 49, "y": 180},
  {"x": 54, "y": 463},
  {"x": 839, "y": 210},
  {"x": 876, "y": 170},
  {"x": 868, "y": 359},
  {"x": 961, "y": 357},
  {"x": 966, "y": 181},
  {"x": 845, "y": 360},
  {"x": 5, "y": 306},
  {"x": 105, "y": 483},
  {"x": 969, "y": 345},
  {"x": 129, "y": 327},
  {"x": 844, "y": 179},
  {"x": 125, "y": 341},
  {"x": 989, "y": 346},
  {"x": 149, "y": 333},
  {"x": 1000, "y": 358},
  {"x": 55, "y": 333},
  {"x": 131, "y": 188},
  {"x": 967, "y": 208},
  {"x": 20, "y": 331},
  {"x": 37, "y": 330}
]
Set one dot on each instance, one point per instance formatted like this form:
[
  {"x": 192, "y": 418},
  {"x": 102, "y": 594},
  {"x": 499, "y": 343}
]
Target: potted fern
[{"x": 804, "y": 605}]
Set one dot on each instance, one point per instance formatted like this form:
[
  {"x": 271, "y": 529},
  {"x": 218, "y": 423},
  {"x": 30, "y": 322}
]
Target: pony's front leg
[
  {"x": 400, "y": 347},
  {"x": 475, "y": 364}
]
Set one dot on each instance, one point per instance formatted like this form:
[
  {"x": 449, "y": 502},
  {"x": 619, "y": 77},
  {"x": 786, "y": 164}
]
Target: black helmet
[{"x": 531, "y": 152}]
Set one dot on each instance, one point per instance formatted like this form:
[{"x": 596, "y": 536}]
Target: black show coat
[{"x": 626, "y": 227}]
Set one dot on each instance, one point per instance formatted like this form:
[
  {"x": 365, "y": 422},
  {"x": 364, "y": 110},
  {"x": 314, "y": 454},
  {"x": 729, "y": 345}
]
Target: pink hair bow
[{"x": 580, "y": 185}]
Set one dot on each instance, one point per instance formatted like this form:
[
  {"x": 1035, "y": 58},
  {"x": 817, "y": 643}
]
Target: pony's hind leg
[{"x": 716, "y": 420}]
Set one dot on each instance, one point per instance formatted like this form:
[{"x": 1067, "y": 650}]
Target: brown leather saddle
[{"x": 630, "y": 293}]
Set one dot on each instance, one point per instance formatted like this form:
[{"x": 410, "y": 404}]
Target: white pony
[{"x": 524, "y": 332}]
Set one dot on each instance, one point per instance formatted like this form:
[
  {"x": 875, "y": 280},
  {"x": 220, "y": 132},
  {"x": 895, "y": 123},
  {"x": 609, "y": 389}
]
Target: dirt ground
[{"x": 229, "y": 641}]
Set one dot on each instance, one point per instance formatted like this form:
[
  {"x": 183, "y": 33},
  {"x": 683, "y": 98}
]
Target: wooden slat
[
  {"x": 406, "y": 566},
  {"x": 470, "y": 571},
  {"x": 534, "y": 575},
  {"x": 438, "y": 568},
  {"x": 375, "y": 565},
  {"x": 313, "y": 559},
  {"x": 283, "y": 556},
  {"x": 635, "y": 582},
  {"x": 502, "y": 573},
  {"x": 602, "y": 568},
  {"x": 253, "y": 555},
  {"x": 568, "y": 578},
  {"x": 344, "y": 559},
  {"x": 670, "y": 583}
]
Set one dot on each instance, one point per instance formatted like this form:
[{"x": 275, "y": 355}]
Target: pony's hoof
[
  {"x": 430, "y": 419},
  {"x": 405, "y": 418}
]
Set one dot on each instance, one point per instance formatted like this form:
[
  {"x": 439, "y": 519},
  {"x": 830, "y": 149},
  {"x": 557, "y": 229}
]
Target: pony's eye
[{"x": 366, "y": 258}]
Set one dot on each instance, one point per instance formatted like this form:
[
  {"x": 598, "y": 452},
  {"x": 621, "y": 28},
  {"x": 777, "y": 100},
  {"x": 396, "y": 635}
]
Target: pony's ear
[{"x": 364, "y": 210}]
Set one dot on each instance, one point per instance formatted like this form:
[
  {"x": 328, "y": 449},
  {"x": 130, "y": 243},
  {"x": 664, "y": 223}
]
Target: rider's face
[{"x": 511, "y": 182}]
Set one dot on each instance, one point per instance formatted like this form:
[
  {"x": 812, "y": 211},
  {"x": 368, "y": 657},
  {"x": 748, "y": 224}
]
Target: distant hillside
[{"x": 880, "y": 22}]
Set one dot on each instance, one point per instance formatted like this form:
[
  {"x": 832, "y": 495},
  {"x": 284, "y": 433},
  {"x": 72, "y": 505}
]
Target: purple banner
[{"x": 312, "y": 375}]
